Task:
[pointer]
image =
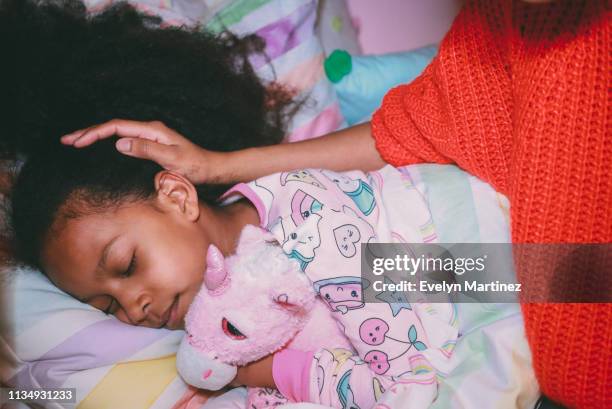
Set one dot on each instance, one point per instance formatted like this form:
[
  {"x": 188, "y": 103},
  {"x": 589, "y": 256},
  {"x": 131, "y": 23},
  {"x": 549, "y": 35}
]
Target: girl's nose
[{"x": 137, "y": 309}]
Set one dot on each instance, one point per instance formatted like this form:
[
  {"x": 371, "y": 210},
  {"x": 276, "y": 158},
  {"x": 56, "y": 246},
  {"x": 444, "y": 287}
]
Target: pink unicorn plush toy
[{"x": 252, "y": 303}]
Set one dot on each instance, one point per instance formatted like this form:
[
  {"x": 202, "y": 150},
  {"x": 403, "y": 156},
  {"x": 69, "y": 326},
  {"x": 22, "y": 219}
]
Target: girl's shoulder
[{"x": 300, "y": 193}]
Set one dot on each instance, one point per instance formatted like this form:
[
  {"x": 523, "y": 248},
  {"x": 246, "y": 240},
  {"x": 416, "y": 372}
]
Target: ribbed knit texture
[{"x": 520, "y": 96}]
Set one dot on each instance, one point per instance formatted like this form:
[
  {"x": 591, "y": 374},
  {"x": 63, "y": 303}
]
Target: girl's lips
[{"x": 172, "y": 321}]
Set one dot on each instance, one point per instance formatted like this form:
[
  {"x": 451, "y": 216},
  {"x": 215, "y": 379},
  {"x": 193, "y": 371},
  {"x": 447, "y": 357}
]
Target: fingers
[
  {"x": 71, "y": 137},
  {"x": 154, "y": 131},
  {"x": 146, "y": 149},
  {"x": 124, "y": 145}
]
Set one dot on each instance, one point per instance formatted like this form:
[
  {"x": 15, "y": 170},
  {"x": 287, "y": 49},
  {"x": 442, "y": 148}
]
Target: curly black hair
[{"x": 64, "y": 70}]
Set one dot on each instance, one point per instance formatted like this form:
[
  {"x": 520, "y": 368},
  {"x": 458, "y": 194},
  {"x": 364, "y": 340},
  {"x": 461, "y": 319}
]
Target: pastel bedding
[{"x": 59, "y": 342}]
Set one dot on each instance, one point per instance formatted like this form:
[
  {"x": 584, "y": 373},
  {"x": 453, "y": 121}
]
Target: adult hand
[{"x": 153, "y": 141}]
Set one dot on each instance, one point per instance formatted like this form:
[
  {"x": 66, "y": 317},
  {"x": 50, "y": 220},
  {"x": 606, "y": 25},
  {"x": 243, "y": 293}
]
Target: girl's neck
[{"x": 224, "y": 224}]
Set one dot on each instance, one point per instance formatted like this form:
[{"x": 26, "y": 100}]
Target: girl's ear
[{"x": 176, "y": 193}]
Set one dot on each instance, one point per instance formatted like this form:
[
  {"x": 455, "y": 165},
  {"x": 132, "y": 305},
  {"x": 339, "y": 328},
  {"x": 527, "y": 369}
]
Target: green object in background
[
  {"x": 361, "y": 81},
  {"x": 337, "y": 65}
]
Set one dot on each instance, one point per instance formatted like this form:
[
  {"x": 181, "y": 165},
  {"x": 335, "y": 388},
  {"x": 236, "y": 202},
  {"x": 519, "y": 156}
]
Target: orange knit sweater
[{"x": 520, "y": 96}]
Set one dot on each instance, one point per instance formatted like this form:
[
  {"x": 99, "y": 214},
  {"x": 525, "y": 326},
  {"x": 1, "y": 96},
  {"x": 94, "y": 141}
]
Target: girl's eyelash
[
  {"x": 131, "y": 267},
  {"x": 125, "y": 274}
]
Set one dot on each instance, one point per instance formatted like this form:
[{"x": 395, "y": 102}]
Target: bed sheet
[{"x": 235, "y": 399}]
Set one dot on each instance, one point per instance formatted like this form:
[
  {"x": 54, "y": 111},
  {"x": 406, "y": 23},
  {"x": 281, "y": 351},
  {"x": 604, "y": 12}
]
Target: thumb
[{"x": 144, "y": 149}]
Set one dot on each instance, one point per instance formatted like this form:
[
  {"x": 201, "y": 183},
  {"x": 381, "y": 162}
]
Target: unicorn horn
[{"x": 215, "y": 268}]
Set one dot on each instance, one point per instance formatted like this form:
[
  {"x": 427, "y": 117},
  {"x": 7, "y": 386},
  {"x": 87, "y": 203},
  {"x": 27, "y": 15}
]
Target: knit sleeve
[
  {"x": 409, "y": 121},
  {"x": 459, "y": 109},
  {"x": 519, "y": 96}
]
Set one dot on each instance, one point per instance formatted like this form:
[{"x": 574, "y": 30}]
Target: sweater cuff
[
  {"x": 389, "y": 148},
  {"x": 291, "y": 373}
]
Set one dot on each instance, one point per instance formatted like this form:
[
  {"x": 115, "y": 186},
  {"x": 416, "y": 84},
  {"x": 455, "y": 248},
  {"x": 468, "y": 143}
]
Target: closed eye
[
  {"x": 131, "y": 267},
  {"x": 125, "y": 274}
]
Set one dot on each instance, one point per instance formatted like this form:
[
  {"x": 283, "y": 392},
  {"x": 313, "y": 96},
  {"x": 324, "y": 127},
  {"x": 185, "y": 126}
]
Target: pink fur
[{"x": 266, "y": 297}]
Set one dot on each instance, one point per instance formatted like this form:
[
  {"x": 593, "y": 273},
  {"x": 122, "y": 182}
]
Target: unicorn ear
[
  {"x": 216, "y": 272},
  {"x": 252, "y": 235}
]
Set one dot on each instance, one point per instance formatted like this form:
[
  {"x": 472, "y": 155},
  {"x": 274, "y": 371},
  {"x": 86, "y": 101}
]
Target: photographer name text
[{"x": 425, "y": 286}]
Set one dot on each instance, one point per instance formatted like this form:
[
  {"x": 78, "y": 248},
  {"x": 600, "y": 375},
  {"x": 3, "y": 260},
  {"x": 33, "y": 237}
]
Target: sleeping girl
[
  {"x": 130, "y": 237},
  {"x": 320, "y": 218},
  {"x": 62, "y": 70},
  {"x": 131, "y": 240}
]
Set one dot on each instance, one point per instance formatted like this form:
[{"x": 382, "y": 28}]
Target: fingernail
[{"x": 124, "y": 145}]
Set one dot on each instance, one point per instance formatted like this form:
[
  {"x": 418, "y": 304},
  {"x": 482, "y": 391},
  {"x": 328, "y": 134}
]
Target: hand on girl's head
[
  {"x": 153, "y": 131},
  {"x": 152, "y": 141}
]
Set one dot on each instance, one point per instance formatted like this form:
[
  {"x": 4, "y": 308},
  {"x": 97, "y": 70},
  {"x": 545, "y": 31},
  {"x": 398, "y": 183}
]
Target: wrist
[
  {"x": 218, "y": 167},
  {"x": 228, "y": 167},
  {"x": 236, "y": 166},
  {"x": 256, "y": 374}
]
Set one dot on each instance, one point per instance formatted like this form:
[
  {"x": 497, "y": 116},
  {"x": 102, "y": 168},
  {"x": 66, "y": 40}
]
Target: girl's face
[{"x": 143, "y": 262}]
